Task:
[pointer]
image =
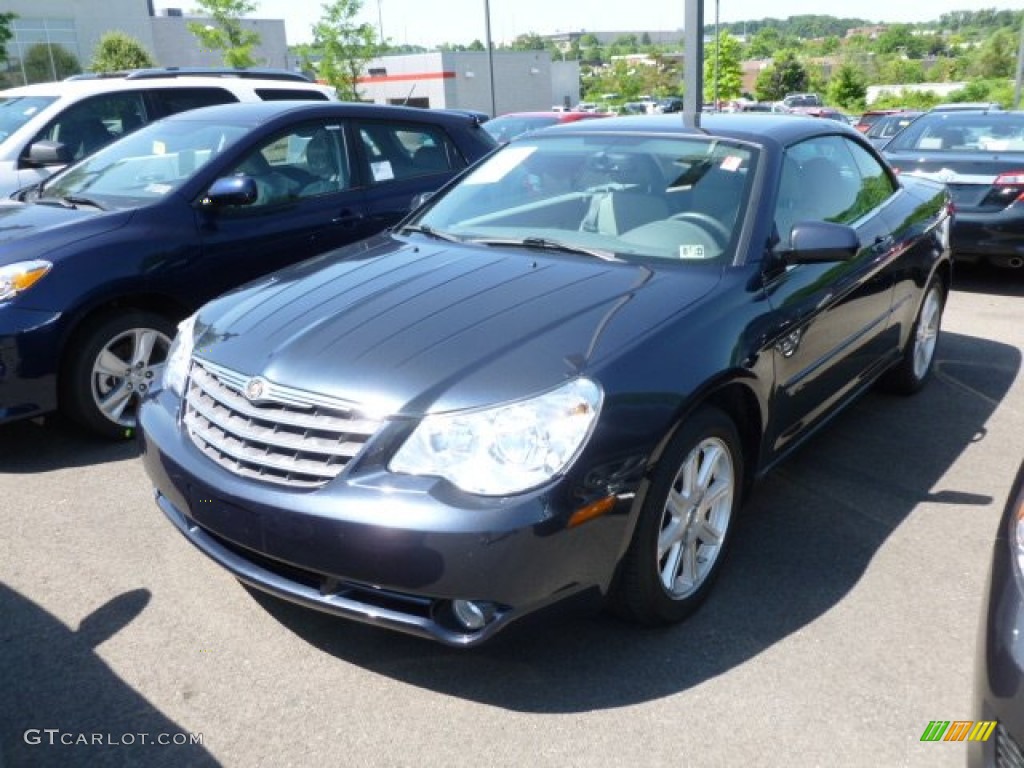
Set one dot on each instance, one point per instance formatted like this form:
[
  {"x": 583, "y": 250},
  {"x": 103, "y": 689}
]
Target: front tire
[
  {"x": 915, "y": 366},
  {"x": 114, "y": 361},
  {"x": 682, "y": 534}
]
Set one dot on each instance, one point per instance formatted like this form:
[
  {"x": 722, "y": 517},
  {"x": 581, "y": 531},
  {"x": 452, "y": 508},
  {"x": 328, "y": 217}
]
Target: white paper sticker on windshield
[
  {"x": 731, "y": 163},
  {"x": 382, "y": 171},
  {"x": 159, "y": 189},
  {"x": 691, "y": 252},
  {"x": 500, "y": 165}
]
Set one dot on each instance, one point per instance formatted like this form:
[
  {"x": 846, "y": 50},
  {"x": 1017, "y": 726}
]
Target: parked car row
[{"x": 595, "y": 251}]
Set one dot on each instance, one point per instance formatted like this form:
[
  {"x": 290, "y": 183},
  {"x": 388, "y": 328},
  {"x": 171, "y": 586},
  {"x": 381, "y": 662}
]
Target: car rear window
[
  {"x": 963, "y": 132},
  {"x": 290, "y": 94}
]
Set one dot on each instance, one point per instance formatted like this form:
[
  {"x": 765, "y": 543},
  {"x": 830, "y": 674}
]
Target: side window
[
  {"x": 290, "y": 94},
  {"x": 406, "y": 150},
  {"x": 172, "y": 100},
  {"x": 91, "y": 123},
  {"x": 874, "y": 184},
  {"x": 307, "y": 161},
  {"x": 819, "y": 182}
]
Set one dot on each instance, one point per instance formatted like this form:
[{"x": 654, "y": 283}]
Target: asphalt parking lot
[{"x": 844, "y": 622}]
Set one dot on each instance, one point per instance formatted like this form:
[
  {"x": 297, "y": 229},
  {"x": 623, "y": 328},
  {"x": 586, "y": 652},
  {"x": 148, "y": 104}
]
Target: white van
[{"x": 71, "y": 118}]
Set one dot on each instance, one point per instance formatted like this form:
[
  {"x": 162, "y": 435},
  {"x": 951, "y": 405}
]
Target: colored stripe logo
[{"x": 958, "y": 730}]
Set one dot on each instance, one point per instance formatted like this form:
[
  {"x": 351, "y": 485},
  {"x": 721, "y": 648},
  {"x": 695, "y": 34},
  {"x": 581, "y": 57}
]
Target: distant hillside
[{"x": 970, "y": 23}]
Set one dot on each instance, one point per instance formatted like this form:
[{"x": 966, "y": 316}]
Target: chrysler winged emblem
[{"x": 255, "y": 387}]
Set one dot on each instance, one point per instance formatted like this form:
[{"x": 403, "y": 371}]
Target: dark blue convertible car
[
  {"x": 561, "y": 376},
  {"x": 100, "y": 262}
]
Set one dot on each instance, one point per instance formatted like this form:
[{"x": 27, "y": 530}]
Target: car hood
[
  {"x": 413, "y": 328},
  {"x": 31, "y": 230}
]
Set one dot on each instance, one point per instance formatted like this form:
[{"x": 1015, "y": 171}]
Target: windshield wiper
[
  {"x": 76, "y": 200},
  {"x": 549, "y": 245},
  {"x": 430, "y": 232}
]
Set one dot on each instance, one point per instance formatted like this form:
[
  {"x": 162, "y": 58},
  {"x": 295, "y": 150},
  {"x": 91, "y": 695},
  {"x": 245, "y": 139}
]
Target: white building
[
  {"x": 78, "y": 25},
  {"x": 523, "y": 81}
]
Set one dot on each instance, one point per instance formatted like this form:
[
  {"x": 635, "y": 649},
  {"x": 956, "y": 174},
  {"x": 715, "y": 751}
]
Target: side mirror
[
  {"x": 816, "y": 242},
  {"x": 45, "y": 153},
  {"x": 230, "y": 190}
]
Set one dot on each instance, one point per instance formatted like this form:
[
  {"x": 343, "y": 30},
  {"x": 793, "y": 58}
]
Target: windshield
[
  {"x": 144, "y": 166},
  {"x": 15, "y": 111},
  {"x": 679, "y": 198}
]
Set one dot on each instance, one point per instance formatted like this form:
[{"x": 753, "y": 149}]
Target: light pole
[
  {"x": 490, "y": 55},
  {"x": 717, "y": 38},
  {"x": 380, "y": 24}
]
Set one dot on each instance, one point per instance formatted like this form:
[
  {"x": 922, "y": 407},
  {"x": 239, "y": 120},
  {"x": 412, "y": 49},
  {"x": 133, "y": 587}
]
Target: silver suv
[{"x": 45, "y": 126}]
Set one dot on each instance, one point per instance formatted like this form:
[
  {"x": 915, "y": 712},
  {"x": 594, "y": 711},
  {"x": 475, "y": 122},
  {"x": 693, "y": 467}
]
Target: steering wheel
[{"x": 709, "y": 224}]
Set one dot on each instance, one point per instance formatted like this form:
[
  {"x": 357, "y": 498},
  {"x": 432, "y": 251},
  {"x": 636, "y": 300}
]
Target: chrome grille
[
  {"x": 1008, "y": 752},
  {"x": 288, "y": 437}
]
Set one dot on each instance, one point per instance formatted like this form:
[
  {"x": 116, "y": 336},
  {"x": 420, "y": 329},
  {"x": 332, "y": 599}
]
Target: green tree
[
  {"x": 5, "y": 32},
  {"x": 729, "y": 79},
  {"x": 118, "y": 51},
  {"x": 900, "y": 70},
  {"x": 227, "y": 34},
  {"x": 531, "y": 41},
  {"x": 996, "y": 57},
  {"x": 847, "y": 87},
  {"x": 345, "y": 46},
  {"x": 786, "y": 75},
  {"x": 45, "y": 62},
  {"x": 764, "y": 43}
]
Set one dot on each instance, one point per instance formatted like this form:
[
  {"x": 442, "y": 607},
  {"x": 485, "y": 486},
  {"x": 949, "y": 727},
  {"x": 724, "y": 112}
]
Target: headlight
[
  {"x": 20, "y": 276},
  {"x": 507, "y": 448},
  {"x": 178, "y": 357}
]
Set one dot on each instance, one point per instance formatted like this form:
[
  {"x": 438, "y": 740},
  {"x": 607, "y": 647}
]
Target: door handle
[{"x": 347, "y": 218}]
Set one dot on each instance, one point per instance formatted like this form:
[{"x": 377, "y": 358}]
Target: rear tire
[
  {"x": 113, "y": 362},
  {"x": 918, "y": 360},
  {"x": 682, "y": 534}
]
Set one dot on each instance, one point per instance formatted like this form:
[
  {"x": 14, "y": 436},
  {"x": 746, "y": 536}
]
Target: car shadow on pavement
[
  {"x": 53, "y": 442},
  {"x": 63, "y": 706},
  {"x": 813, "y": 526}
]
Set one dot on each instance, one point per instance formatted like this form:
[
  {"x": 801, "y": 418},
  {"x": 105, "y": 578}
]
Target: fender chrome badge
[{"x": 255, "y": 388}]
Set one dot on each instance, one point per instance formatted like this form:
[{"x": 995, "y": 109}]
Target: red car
[
  {"x": 868, "y": 118},
  {"x": 510, "y": 125}
]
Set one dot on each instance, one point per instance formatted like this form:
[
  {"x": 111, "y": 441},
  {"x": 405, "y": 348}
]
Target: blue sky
[{"x": 429, "y": 22}]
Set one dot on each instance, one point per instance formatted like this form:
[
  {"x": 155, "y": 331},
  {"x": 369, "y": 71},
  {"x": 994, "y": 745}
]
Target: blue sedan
[
  {"x": 560, "y": 377},
  {"x": 100, "y": 262}
]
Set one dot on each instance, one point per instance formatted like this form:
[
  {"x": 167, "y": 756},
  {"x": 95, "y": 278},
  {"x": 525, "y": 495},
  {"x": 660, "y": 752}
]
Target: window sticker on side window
[{"x": 382, "y": 170}]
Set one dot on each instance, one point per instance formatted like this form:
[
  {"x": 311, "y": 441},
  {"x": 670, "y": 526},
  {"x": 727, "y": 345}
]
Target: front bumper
[
  {"x": 29, "y": 344},
  {"x": 999, "y": 679},
  {"x": 378, "y": 548}
]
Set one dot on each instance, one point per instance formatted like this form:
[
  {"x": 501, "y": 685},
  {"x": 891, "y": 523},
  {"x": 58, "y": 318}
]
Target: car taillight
[{"x": 1012, "y": 179}]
